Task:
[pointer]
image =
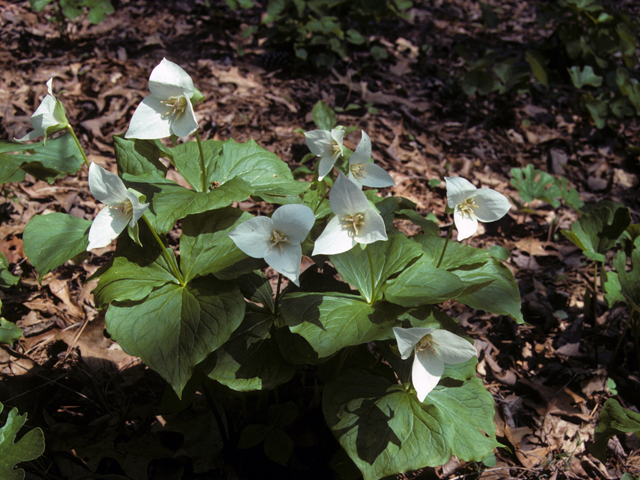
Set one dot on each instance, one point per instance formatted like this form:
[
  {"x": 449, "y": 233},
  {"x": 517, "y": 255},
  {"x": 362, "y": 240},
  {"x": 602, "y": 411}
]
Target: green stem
[
  {"x": 167, "y": 255},
  {"x": 373, "y": 281},
  {"x": 205, "y": 186},
  {"x": 73, "y": 134},
  {"x": 594, "y": 299},
  {"x": 324, "y": 195},
  {"x": 277, "y": 299},
  {"x": 446, "y": 242}
]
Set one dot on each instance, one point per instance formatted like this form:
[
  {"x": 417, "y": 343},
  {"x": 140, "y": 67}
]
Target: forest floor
[{"x": 101, "y": 409}]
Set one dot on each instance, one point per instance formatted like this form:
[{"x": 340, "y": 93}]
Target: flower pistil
[
  {"x": 178, "y": 106},
  {"x": 353, "y": 221},
  {"x": 277, "y": 239}
]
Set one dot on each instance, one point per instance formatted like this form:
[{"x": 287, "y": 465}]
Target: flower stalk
[
  {"x": 205, "y": 185},
  {"x": 167, "y": 255},
  {"x": 446, "y": 242}
]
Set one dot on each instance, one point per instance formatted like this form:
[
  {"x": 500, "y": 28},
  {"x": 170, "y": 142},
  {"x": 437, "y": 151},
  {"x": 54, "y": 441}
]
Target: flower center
[
  {"x": 426, "y": 342},
  {"x": 125, "y": 208},
  {"x": 357, "y": 170},
  {"x": 277, "y": 239},
  {"x": 467, "y": 207},
  {"x": 178, "y": 106},
  {"x": 354, "y": 221}
]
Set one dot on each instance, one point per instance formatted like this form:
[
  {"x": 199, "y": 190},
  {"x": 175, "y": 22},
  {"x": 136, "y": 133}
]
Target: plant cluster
[
  {"x": 591, "y": 44},
  {"x": 66, "y": 10},
  {"x": 322, "y": 31},
  {"x": 397, "y": 374}
]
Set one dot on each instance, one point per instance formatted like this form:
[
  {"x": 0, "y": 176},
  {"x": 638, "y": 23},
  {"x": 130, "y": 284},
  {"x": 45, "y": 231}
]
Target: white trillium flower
[
  {"x": 356, "y": 220},
  {"x": 48, "y": 118},
  {"x": 277, "y": 239},
  {"x": 168, "y": 110},
  {"x": 471, "y": 205},
  {"x": 433, "y": 348},
  {"x": 364, "y": 172},
  {"x": 123, "y": 207},
  {"x": 327, "y": 145}
]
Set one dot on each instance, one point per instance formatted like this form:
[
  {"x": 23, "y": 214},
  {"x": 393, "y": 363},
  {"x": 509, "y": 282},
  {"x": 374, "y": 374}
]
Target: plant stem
[
  {"x": 277, "y": 299},
  {"x": 84, "y": 156},
  {"x": 373, "y": 280},
  {"x": 324, "y": 195},
  {"x": 446, "y": 242},
  {"x": 594, "y": 299},
  {"x": 167, "y": 255},
  {"x": 205, "y": 186}
]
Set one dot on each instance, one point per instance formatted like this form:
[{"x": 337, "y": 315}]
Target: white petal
[
  {"x": 186, "y": 123},
  {"x": 150, "y": 121},
  {"x": 346, "y": 198},
  {"x": 336, "y": 135},
  {"x": 426, "y": 373},
  {"x": 408, "y": 338},
  {"x": 46, "y": 109},
  {"x": 373, "y": 228},
  {"x": 106, "y": 187},
  {"x": 50, "y": 86},
  {"x": 138, "y": 208},
  {"x": 467, "y": 225},
  {"x": 319, "y": 141},
  {"x": 334, "y": 239},
  {"x": 450, "y": 348},
  {"x": 294, "y": 221},
  {"x": 458, "y": 190},
  {"x": 363, "y": 151},
  {"x": 286, "y": 261},
  {"x": 253, "y": 237},
  {"x": 108, "y": 224},
  {"x": 492, "y": 205},
  {"x": 170, "y": 80},
  {"x": 375, "y": 176},
  {"x": 326, "y": 164}
]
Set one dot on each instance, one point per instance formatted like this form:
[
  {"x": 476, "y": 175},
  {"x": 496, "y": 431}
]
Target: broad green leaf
[
  {"x": 385, "y": 430},
  {"x": 50, "y": 240},
  {"x": 612, "y": 288},
  {"x": 421, "y": 284},
  {"x": 500, "y": 293},
  {"x": 269, "y": 177},
  {"x": 249, "y": 360},
  {"x": 186, "y": 158},
  {"x": 28, "y": 448},
  {"x": 323, "y": 115},
  {"x": 331, "y": 322},
  {"x": 629, "y": 282},
  {"x": 613, "y": 420},
  {"x": 255, "y": 287},
  {"x": 137, "y": 157},
  {"x": 38, "y": 5},
  {"x": 586, "y": 76},
  {"x": 9, "y": 332},
  {"x": 537, "y": 64},
  {"x": 278, "y": 446},
  {"x": 7, "y": 279},
  {"x": 532, "y": 183},
  {"x": 10, "y": 163},
  {"x": 98, "y": 10},
  {"x": 598, "y": 109},
  {"x": 205, "y": 245},
  {"x": 479, "y": 81},
  {"x": 388, "y": 258},
  {"x": 174, "y": 328},
  {"x": 170, "y": 202},
  {"x": 456, "y": 254},
  {"x": 598, "y": 230}
]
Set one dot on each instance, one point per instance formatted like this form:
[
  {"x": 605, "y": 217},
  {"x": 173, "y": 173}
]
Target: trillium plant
[{"x": 350, "y": 300}]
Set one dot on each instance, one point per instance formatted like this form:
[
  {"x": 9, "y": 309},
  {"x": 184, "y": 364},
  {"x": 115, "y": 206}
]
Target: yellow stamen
[
  {"x": 354, "y": 221},
  {"x": 278, "y": 239},
  {"x": 357, "y": 170},
  {"x": 178, "y": 106},
  {"x": 467, "y": 207}
]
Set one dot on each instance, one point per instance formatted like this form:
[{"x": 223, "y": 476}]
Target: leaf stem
[
  {"x": 446, "y": 242},
  {"x": 167, "y": 255},
  {"x": 205, "y": 186},
  {"x": 73, "y": 135},
  {"x": 373, "y": 280}
]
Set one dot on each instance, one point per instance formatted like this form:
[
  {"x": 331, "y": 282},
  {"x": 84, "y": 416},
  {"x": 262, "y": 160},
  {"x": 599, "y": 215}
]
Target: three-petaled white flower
[
  {"x": 48, "y": 118},
  {"x": 433, "y": 348},
  {"x": 364, "y": 172},
  {"x": 168, "y": 110},
  {"x": 327, "y": 145},
  {"x": 356, "y": 220},
  {"x": 470, "y": 204},
  {"x": 123, "y": 207},
  {"x": 277, "y": 239}
]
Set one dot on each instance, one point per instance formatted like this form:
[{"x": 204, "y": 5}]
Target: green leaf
[
  {"x": 170, "y": 202},
  {"x": 137, "y": 157},
  {"x": 323, "y": 116},
  {"x": 7, "y": 279},
  {"x": 456, "y": 255},
  {"x": 612, "y": 287},
  {"x": 269, "y": 177},
  {"x": 537, "y": 64},
  {"x": 583, "y": 77},
  {"x": 50, "y": 240},
  {"x": 479, "y": 81},
  {"x": 331, "y": 322},
  {"x": 252, "y": 435},
  {"x": 388, "y": 258},
  {"x": 186, "y": 158},
  {"x": 500, "y": 293},
  {"x": 38, "y": 5},
  {"x": 598, "y": 230},
  {"x": 422, "y": 284},
  {"x": 10, "y": 163},
  {"x": 98, "y": 10},
  {"x": 28, "y": 448},
  {"x": 174, "y": 328},
  {"x": 9, "y": 332},
  {"x": 629, "y": 282},
  {"x": 249, "y": 360},
  {"x": 535, "y": 184},
  {"x": 598, "y": 110},
  {"x": 205, "y": 245},
  {"x": 613, "y": 420},
  {"x": 498, "y": 252},
  {"x": 255, "y": 287},
  {"x": 385, "y": 430},
  {"x": 278, "y": 446}
]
